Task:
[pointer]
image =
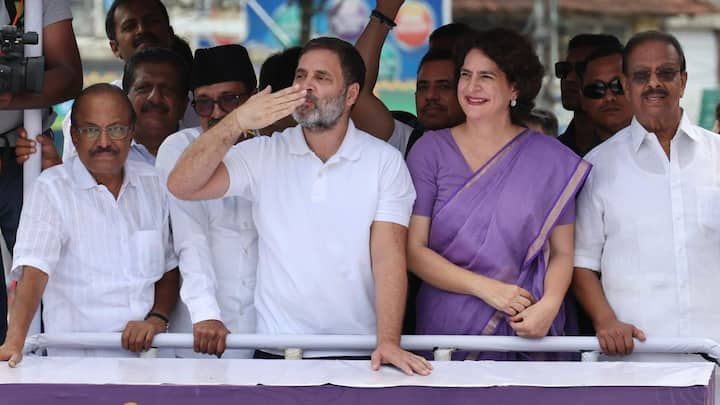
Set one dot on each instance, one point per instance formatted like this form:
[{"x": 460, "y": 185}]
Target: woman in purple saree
[{"x": 493, "y": 225}]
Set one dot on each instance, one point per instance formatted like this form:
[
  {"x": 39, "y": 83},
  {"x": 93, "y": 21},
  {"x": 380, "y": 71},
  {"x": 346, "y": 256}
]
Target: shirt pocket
[
  {"x": 148, "y": 260},
  {"x": 709, "y": 207}
]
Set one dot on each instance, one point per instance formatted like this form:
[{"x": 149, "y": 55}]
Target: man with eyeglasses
[
  {"x": 215, "y": 240},
  {"x": 647, "y": 217},
  {"x": 601, "y": 93},
  {"x": 156, "y": 82},
  {"x": 94, "y": 239},
  {"x": 579, "y": 135}
]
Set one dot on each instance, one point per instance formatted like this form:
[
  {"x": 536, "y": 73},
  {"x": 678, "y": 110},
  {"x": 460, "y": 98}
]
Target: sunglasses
[
  {"x": 227, "y": 102},
  {"x": 563, "y": 69},
  {"x": 597, "y": 89},
  {"x": 642, "y": 77}
]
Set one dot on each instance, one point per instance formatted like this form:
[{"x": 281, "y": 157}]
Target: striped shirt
[{"x": 102, "y": 255}]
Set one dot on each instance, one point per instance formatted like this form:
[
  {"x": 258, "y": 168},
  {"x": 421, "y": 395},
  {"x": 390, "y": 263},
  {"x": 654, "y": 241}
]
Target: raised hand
[{"x": 264, "y": 108}]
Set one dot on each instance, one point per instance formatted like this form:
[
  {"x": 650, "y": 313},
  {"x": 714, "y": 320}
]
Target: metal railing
[{"x": 441, "y": 345}]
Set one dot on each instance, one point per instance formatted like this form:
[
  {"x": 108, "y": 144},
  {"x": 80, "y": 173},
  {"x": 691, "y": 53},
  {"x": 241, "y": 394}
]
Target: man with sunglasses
[
  {"x": 647, "y": 217},
  {"x": 579, "y": 135},
  {"x": 602, "y": 96},
  {"x": 215, "y": 240},
  {"x": 94, "y": 238}
]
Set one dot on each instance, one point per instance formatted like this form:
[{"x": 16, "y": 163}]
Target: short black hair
[
  {"x": 452, "y": 32},
  {"x": 436, "y": 54},
  {"x": 97, "y": 89},
  {"x": 581, "y": 68},
  {"x": 157, "y": 56},
  {"x": 351, "y": 62},
  {"x": 652, "y": 36},
  {"x": 593, "y": 41},
  {"x": 110, "y": 16},
  {"x": 278, "y": 71},
  {"x": 515, "y": 55},
  {"x": 181, "y": 47}
]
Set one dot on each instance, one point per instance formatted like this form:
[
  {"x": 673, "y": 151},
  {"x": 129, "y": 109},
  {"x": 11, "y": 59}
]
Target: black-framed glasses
[
  {"x": 642, "y": 77},
  {"x": 227, "y": 102},
  {"x": 114, "y": 132},
  {"x": 598, "y": 88},
  {"x": 563, "y": 69}
]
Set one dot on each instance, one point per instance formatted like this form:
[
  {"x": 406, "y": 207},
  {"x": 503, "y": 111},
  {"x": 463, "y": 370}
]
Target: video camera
[{"x": 19, "y": 74}]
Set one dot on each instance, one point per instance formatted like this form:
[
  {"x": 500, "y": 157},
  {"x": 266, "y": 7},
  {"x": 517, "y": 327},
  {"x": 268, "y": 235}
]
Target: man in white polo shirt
[{"x": 331, "y": 205}]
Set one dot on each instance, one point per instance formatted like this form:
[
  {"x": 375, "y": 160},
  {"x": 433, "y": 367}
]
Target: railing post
[
  {"x": 293, "y": 354},
  {"x": 441, "y": 354}
]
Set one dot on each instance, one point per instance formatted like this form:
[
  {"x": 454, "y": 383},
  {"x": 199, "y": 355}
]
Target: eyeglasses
[
  {"x": 642, "y": 77},
  {"x": 597, "y": 89},
  {"x": 227, "y": 102},
  {"x": 563, "y": 69},
  {"x": 114, "y": 132}
]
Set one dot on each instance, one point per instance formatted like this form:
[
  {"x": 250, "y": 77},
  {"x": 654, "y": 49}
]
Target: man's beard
[{"x": 325, "y": 114}]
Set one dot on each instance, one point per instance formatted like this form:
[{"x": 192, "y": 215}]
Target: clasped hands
[{"x": 528, "y": 317}]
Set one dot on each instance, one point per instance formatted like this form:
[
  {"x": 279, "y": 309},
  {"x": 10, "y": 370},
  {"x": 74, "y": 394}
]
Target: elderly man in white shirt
[
  {"x": 94, "y": 240},
  {"x": 648, "y": 218},
  {"x": 215, "y": 240},
  {"x": 331, "y": 205}
]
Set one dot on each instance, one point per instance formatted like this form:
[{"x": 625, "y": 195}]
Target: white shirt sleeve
[
  {"x": 190, "y": 229},
  {"x": 243, "y": 163},
  {"x": 397, "y": 193},
  {"x": 189, "y": 220},
  {"x": 589, "y": 226},
  {"x": 39, "y": 238}
]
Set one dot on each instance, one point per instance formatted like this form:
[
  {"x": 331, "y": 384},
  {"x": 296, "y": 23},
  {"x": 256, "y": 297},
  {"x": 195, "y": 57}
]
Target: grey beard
[{"x": 324, "y": 116}]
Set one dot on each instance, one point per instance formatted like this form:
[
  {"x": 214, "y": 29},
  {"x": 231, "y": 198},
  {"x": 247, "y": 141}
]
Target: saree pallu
[{"x": 498, "y": 224}]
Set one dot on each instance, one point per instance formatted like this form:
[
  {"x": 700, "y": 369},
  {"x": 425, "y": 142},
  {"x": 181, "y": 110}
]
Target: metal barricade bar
[{"x": 442, "y": 345}]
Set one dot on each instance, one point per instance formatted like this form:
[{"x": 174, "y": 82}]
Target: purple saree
[{"x": 498, "y": 224}]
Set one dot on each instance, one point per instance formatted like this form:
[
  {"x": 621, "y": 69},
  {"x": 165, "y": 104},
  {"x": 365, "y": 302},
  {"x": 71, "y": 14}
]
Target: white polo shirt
[
  {"x": 216, "y": 243},
  {"x": 651, "y": 225},
  {"x": 313, "y": 220},
  {"x": 102, "y": 255}
]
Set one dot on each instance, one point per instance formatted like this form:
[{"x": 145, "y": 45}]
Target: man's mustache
[
  {"x": 213, "y": 121},
  {"x": 100, "y": 150},
  {"x": 145, "y": 38},
  {"x": 149, "y": 106},
  {"x": 611, "y": 106},
  {"x": 433, "y": 104},
  {"x": 656, "y": 92}
]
